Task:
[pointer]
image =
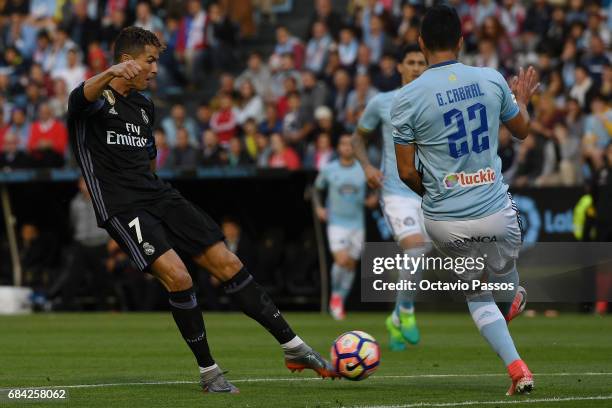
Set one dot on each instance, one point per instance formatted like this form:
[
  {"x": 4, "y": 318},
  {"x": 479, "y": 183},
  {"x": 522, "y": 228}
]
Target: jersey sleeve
[
  {"x": 151, "y": 147},
  {"x": 321, "y": 181},
  {"x": 401, "y": 120},
  {"x": 370, "y": 117},
  {"x": 79, "y": 105},
  {"x": 509, "y": 107}
]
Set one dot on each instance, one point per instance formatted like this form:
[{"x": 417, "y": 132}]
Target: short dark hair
[
  {"x": 132, "y": 41},
  {"x": 441, "y": 28},
  {"x": 409, "y": 49}
]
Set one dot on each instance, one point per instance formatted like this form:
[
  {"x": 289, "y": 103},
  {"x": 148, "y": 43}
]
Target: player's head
[
  {"x": 412, "y": 63},
  {"x": 142, "y": 46},
  {"x": 345, "y": 147},
  {"x": 440, "y": 31}
]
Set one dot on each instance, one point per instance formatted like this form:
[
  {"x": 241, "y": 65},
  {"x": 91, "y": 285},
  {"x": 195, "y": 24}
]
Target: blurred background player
[
  {"x": 344, "y": 213},
  {"x": 451, "y": 116},
  {"x": 401, "y": 206}
]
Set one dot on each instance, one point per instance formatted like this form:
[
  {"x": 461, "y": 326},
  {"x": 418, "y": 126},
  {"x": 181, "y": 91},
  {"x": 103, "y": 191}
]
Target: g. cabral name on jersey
[
  {"x": 132, "y": 138},
  {"x": 463, "y": 179}
]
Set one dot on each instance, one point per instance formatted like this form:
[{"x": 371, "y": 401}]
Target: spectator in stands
[
  {"x": 264, "y": 150},
  {"x": 286, "y": 69},
  {"x": 340, "y": 93},
  {"x": 282, "y": 156},
  {"x": 258, "y": 73},
  {"x": 11, "y": 156},
  {"x": 288, "y": 44},
  {"x": 88, "y": 254},
  {"x": 178, "y": 119},
  {"x": 581, "y": 86},
  {"x": 211, "y": 154},
  {"x": 250, "y": 138},
  {"x": 537, "y": 22},
  {"x": 236, "y": 154},
  {"x": 96, "y": 60},
  {"x": 295, "y": 124},
  {"x": 20, "y": 127},
  {"x": 203, "y": 116},
  {"x": 251, "y": 105},
  {"x": 163, "y": 150},
  {"x": 320, "y": 153},
  {"x": 507, "y": 153},
  {"x": 512, "y": 17},
  {"x": 42, "y": 52},
  {"x": 146, "y": 19},
  {"x": 595, "y": 28},
  {"x": 183, "y": 156},
  {"x": 317, "y": 48},
  {"x": 272, "y": 123},
  {"x": 348, "y": 47},
  {"x": 325, "y": 13},
  {"x": 358, "y": 99},
  {"x": 325, "y": 123},
  {"x": 59, "y": 100},
  {"x": 313, "y": 95},
  {"x": 529, "y": 160},
  {"x": 597, "y": 129},
  {"x": 364, "y": 65},
  {"x": 387, "y": 78},
  {"x": 224, "y": 122},
  {"x": 82, "y": 29},
  {"x": 74, "y": 72},
  {"x": 47, "y": 133},
  {"x": 192, "y": 43},
  {"x": 226, "y": 86},
  {"x": 377, "y": 40},
  {"x": 222, "y": 37},
  {"x": 290, "y": 86},
  {"x": 596, "y": 59},
  {"x": 487, "y": 55},
  {"x": 38, "y": 77},
  {"x": 31, "y": 101},
  {"x": 118, "y": 21},
  {"x": 237, "y": 241}
]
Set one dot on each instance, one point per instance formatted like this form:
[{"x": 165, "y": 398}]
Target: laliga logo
[{"x": 463, "y": 179}]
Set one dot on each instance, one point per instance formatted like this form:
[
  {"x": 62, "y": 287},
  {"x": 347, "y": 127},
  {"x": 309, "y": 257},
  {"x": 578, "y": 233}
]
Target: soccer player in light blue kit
[
  {"x": 400, "y": 205},
  {"x": 344, "y": 212},
  {"x": 447, "y": 121}
]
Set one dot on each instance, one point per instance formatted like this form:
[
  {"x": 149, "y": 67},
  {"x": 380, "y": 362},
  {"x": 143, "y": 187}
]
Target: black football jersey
[{"x": 112, "y": 139}]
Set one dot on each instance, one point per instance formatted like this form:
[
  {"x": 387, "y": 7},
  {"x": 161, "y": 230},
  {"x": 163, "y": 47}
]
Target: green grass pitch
[{"x": 571, "y": 357}]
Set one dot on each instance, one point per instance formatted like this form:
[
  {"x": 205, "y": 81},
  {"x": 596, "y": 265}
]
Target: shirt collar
[{"x": 441, "y": 64}]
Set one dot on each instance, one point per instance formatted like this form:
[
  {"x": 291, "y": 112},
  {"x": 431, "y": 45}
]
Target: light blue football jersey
[
  {"x": 452, "y": 112},
  {"x": 378, "y": 111},
  {"x": 346, "y": 191}
]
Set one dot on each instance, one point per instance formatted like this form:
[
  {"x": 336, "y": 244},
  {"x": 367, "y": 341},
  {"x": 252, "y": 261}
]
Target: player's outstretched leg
[
  {"x": 493, "y": 328},
  {"x": 342, "y": 276},
  {"x": 255, "y": 303},
  {"x": 171, "y": 271}
]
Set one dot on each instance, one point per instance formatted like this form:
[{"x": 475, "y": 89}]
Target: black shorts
[{"x": 147, "y": 233}]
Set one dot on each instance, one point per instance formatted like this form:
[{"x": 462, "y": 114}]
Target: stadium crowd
[{"x": 288, "y": 109}]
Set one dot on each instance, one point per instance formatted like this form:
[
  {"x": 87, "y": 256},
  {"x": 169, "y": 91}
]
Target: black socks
[
  {"x": 188, "y": 318},
  {"x": 255, "y": 303}
]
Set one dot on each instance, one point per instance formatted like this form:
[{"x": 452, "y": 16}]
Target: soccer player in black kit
[{"x": 111, "y": 130}]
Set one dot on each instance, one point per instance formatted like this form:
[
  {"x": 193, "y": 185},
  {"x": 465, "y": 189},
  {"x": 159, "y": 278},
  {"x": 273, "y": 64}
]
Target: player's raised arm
[
  {"x": 406, "y": 167},
  {"x": 94, "y": 86},
  {"x": 523, "y": 86}
]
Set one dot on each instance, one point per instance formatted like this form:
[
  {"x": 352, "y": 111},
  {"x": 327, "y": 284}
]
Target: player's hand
[
  {"x": 322, "y": 213},
  {"x": 127, "y": 70},
  {"x": 524, "y": 85},
  {"x": 374, "y": 177}
]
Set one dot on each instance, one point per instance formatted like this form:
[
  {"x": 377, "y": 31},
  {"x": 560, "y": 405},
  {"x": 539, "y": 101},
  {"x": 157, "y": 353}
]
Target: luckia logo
[{"x": 463, "y": 179}]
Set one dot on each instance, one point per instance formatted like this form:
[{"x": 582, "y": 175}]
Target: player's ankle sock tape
[
  {"x": 188, "y": 319},
  {"x": 492, "y": 326},
  {"x": 255, "y": 303},
  {"x": 504, "y": 298}
]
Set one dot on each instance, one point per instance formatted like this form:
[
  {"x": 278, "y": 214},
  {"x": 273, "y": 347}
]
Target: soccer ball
[{"x": 355, "y": 355}]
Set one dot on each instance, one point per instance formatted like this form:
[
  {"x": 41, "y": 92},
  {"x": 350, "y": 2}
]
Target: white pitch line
[
  {"x": 497, "y": 402},
  {"x": 281, "y": 379}
]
